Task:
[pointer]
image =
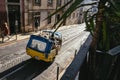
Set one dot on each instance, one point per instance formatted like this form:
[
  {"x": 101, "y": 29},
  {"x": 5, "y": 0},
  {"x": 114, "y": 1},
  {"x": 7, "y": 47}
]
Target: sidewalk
[
  {"x": 14, "y": 38},
  {"x": 12, "y": 52}
]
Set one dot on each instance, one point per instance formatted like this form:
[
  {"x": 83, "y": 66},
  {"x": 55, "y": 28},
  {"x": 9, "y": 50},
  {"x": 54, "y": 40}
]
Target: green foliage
[
  {"x": 74, "y": 4},
  {"x": 110, "y": 29},
  {"x": 104, "y": 27},
  {"x": 110, "y": 33}
]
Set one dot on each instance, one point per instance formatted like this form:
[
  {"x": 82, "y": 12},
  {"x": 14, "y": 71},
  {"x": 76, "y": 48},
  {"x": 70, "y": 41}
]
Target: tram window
[{"x": 39, "y": 45}]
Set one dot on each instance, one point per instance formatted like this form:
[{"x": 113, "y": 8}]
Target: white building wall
[
  {"x": 42, "y": 18},
  {"x": 44, "y": 9}
]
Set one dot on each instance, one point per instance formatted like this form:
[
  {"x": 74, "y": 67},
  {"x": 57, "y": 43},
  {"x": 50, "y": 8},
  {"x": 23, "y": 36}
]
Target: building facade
[
  {"x": 21, "y": 15},
  {"x": 11, "y": 11},
  {"x": 3, "y": 13},
  {"x": 40, "y": 9},
  {"x": 75, "y": 16}
]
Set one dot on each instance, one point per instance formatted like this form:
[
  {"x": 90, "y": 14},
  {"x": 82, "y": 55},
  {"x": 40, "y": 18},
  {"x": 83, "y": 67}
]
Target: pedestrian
[
  {"x": 4, "y": 30},
  {"x": 36, "y": 25},
  {"x": 7, "y": 31},
  {"x": 2, "y": 33}
]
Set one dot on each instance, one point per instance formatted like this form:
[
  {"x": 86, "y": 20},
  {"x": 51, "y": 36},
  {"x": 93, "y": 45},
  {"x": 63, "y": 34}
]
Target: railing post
[
  {"x": 78, "y": 63},
  {"x": 75, "y": 53},
  {"x": 57, "y": 72}
]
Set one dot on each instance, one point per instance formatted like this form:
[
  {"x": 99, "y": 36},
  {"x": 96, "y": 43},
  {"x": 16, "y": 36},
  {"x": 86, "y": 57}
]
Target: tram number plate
[{"x": 36, "y": 57}]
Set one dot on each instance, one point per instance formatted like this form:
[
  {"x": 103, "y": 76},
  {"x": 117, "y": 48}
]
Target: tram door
[{"x": 14, "y": 14}]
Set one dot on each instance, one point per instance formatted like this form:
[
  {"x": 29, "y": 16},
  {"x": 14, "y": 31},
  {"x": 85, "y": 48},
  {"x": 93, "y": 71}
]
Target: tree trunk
[{"x": 96, "y": 38}]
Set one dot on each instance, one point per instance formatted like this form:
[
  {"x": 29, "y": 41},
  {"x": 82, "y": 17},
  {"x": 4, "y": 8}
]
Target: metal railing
[
  {"x": 73, "y": 69},
  {"x": 107, "y": 64}
]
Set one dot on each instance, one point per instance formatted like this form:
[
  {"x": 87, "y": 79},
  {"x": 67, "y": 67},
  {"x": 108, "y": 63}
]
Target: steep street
[{"x": 15, "y": 53}]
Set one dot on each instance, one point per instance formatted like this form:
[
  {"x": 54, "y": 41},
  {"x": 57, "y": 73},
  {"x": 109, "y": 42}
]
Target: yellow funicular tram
[{"x": 44, "y": 48}]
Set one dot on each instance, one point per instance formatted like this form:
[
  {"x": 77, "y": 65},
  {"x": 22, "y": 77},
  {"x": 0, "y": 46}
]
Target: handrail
[{"x": 74, "y": 67}]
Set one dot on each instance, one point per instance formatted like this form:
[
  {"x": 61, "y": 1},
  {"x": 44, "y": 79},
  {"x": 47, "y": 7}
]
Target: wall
[{"x": 3, "y": 15}]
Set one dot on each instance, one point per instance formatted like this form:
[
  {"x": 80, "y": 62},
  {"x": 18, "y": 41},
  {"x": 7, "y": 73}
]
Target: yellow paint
[{"x": 41, "y": 56}]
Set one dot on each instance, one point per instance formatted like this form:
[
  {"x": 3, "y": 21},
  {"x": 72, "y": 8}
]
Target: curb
[{"x": 14, "y": 61}]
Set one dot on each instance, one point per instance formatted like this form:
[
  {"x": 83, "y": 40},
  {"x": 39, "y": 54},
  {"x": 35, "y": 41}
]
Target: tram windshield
[{"x": 39, "y": 45}]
